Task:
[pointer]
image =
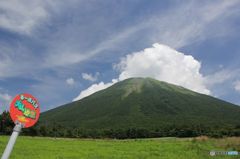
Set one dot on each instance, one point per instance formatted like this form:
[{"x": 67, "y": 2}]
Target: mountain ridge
[{"x": 143, "y": 103}]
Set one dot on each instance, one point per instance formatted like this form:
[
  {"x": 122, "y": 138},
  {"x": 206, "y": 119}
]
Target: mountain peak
[{"x": 137, "y": 83}]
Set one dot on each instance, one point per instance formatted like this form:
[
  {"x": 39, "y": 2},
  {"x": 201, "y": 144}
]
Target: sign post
[
  {"x": 12, "y": 140},
  {"x": 24, "y": 111}
]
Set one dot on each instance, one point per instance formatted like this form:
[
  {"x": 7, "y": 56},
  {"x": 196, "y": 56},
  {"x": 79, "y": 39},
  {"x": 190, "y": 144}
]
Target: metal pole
[{"x": 12, "y": 140}]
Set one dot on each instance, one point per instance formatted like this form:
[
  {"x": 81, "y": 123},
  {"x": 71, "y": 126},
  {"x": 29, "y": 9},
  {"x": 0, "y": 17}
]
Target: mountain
[{"x": 143, "y": 103}]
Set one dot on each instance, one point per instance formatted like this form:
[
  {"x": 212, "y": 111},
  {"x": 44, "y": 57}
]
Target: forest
[{"x": 57, "y": 130}]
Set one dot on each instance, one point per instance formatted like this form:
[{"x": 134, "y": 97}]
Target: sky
[{"x": 62, "y": 51}]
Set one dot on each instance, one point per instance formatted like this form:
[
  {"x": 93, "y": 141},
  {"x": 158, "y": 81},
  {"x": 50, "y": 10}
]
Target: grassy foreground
[{"x": 165, "y": 148}]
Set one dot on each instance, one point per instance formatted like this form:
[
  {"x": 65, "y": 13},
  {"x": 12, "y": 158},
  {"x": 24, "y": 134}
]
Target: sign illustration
[{"x": 25, "y": 109}]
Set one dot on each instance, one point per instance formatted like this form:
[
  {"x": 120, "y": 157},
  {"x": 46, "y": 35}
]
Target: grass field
[{"x": 165, "y": 148}]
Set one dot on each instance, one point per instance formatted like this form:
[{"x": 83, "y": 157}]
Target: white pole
[{"x": 12, "y": 140}]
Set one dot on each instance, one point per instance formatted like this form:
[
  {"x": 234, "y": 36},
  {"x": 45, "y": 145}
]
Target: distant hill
[{"x": 144, "y": 103}]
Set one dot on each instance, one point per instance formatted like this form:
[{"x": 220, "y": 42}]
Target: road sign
[{"x": 25, "y": 109}]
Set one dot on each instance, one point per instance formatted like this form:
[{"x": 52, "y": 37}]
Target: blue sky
[{"x": 64, "y": 51}]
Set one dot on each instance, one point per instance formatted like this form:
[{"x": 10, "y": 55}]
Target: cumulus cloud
[
  {"x": 70, "y": 81},
  {"x": 160, "y": 62},
  {"x": 90, "y": 77},
  {"x": 165, "y": 64},
  {"x": 237, "y": 85},
  {"x": 94, "y": 88}
]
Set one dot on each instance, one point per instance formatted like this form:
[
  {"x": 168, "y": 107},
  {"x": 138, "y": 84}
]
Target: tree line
[{"x": 57, "y": 130}]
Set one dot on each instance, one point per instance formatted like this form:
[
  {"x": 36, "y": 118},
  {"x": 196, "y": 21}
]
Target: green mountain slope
[{"x": 143, "y": 103}]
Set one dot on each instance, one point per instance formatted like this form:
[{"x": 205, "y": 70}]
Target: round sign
[{"x": 25, "y": 109}]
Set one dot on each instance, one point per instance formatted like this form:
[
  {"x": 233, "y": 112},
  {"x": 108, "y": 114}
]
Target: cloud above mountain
[
  {"x": 94, "y": 88},
  {"x": 160, "y": 62},
  {"x": 70, "y": 81},
  {"x": 237, "y": 85},
  {"x": 90, "y": 77}
]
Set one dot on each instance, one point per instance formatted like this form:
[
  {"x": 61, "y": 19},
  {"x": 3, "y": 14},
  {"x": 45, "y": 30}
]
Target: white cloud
[
  {"x": 10, "y": 56},
  {"x": 165, "y": 64},
  {"x": 221, "y": 82},
  {"x": 90, "y": 77},
  {"x": 70, "y": 81},
  {"x": 237, "y": 86},
  {"x": 22, "y": 16},
  {"x": 220, "y": 77},
  {"x": 5, "y": 100},
  {"x": 190, "y": 23},
  {"x": 76, "y": 56},
  {"x": 50, "y": 91},
  {"x": 177, "y": 27},
  {"x": 94, "y": 88},
  {"x": 174, "y": 27},
  {"x": 160, "y": 62},
  {"x": 5, "y": 97}
]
